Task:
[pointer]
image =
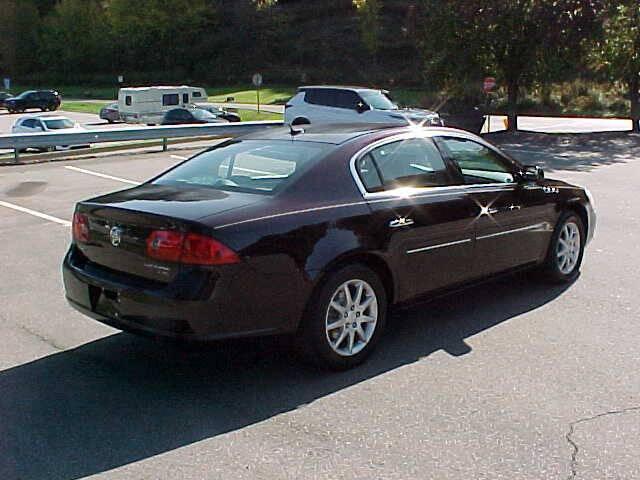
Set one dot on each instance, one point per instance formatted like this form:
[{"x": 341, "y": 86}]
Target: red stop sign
[{"x": 489, "y": 84}]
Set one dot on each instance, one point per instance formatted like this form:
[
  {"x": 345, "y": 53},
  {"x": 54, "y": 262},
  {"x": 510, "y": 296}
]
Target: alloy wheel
[
  {"x": 351, "y": 317},
  {"x": 568, "y": 248}
]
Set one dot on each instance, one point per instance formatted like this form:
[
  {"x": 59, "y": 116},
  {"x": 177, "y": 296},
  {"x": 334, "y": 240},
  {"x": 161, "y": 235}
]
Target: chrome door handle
[{"x": 400, "y": 222}]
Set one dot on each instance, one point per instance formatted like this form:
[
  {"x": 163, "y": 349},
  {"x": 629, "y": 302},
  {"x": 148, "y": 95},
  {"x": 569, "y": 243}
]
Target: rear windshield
[
  {"x": 59, "y": 124},
  {"x": 255, "y": 166}
]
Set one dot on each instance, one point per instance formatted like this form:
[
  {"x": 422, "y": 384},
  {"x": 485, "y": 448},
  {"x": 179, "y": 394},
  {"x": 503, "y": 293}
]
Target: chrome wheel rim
[
  {"x": 568, "y": 248},
  {"x": 351, "y": 318}
]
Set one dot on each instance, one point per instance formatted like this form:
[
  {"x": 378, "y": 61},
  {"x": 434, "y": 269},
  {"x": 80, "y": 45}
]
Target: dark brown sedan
[{"x": 317, "y": 233}]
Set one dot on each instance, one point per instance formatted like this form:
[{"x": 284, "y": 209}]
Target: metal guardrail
[{"x": 20, "y": 141}]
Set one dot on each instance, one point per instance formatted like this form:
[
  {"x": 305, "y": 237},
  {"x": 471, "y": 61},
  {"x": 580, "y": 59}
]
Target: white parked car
[
  {"x": 45, "y": 124},
  {"x": 334, "y": 104}
]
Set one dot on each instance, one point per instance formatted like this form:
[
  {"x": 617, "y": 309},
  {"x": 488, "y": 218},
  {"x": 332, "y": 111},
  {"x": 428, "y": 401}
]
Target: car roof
[
  {"x": 340, "y": 133},
  {"x": 325, "y": 133},
  {"x": 45, "y": 117},
  {"x": 354, "y": 88}
]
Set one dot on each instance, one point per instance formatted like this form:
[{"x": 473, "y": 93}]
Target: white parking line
[
  {"x": 178, "y": 157},
  {"x": 18, "y": 208},
  {"x": 101, "y": 175}
]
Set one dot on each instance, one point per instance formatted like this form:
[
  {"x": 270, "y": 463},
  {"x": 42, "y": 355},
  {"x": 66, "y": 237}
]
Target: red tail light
[
  {"x": 80, "y": 227},
  {"x": 190, "y": 248}
]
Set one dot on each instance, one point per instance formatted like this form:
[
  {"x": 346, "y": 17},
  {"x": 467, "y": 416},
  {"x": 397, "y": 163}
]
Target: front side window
[
  {"x": 346, "y": 99},
  {"x": 254, "y": 166},
  {"x": 127, "y": 100},
  {"x": 170, "y": 99},
  {"x": 477, "y": 163},
  {"x": 414, "y": 162}
]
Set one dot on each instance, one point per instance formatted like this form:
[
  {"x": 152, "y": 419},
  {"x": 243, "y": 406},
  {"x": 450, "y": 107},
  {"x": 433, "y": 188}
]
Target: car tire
[
  {"x": 300, "y": 121},
  {"x": 339, "y": 332},
  {"x": 566, "y": 249}
]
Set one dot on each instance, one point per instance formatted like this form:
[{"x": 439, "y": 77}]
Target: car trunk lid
[{"x": 120, "y": 224}]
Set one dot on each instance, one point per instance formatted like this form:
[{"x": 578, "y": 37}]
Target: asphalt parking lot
[{"x": 511, "y": 379}]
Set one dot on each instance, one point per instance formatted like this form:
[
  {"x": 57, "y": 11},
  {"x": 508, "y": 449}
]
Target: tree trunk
[
  {"x": 512, "y": 105},
  {"x": 634, "y": 95}
]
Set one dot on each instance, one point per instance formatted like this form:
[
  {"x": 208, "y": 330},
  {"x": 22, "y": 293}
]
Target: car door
[
  {"x": 513, "y": 220},
  {"x": 32, "y": 100},
  {"x": 423, "y": 222}
]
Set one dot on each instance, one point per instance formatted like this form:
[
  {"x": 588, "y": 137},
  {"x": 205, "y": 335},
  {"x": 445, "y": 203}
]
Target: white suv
[{"x": 330, "y": 104}]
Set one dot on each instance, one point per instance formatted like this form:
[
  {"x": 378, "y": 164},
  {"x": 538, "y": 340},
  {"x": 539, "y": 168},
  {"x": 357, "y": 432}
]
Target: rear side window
[
  {"x": 29, "y": 123},
  {"x": 331, "y": 97},
  {"x": 170, "y": 99},
  {"x": 414, "y": 162},
  {"x": 254, "y": 166},
  {"x": 197, "y": 94},
  {"x": 320, "y": 96},
  {"x": 185, "y": 98}
]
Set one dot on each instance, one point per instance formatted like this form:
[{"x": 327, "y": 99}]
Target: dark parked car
[
  {"x": 110, "y": 113},
  {"x": 42, "y": 99},
  {"x": 3, "y": 97},
  {"x": 315, "y": 233},
  {"x": 179, "y": 116},
  {"x": 218, "y": 112}
]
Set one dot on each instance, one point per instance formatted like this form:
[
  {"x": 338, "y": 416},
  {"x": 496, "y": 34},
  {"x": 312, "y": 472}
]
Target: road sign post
[
  {"x": 257, "y": 82},
  {"x": 488, "y": 84}
]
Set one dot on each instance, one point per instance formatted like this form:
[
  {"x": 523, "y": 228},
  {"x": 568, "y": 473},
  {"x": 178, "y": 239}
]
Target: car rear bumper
[{"x": 206, "y": 309}]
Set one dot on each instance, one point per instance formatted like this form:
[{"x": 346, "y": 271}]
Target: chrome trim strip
[
  {"x": 441, "y": 245},
  {"x": 515, "y": 230},
  {"x": 293, "y": 212}
]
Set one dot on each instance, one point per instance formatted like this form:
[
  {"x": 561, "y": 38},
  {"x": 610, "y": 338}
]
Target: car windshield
[
  {"x": 59, "y": 124},
  {"x": 254, "y": 166},
  {"x": 201, "y": 114},
  {"x": 378, "y": 100}
]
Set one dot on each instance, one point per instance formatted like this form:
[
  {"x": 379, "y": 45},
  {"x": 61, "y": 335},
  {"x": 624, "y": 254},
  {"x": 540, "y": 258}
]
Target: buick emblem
[{"x": 115, "y": 235}]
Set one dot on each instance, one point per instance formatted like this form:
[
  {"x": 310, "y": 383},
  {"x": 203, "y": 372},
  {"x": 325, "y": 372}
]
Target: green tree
[
  {"x": 618, "y": 52},
  {"x": 74, "y": 39},
  {"x": 518, "y": 40},
  {"x": 369, "y": 13}
]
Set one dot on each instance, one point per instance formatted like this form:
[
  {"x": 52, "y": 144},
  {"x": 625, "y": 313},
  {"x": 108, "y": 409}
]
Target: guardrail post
[
  {"x": 16, "y": 155},
  {"x": 164, "y": 144}
]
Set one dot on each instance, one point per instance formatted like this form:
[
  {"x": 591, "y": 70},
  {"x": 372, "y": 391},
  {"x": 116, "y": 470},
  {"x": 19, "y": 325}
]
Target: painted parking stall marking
[
  {"x": 101, "y": 175},
  {"x": 35, "y": 213}
]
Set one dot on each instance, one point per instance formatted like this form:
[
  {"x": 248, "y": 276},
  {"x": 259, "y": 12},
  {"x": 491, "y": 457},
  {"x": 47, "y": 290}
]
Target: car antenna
[{"x": 295, "y": 131}]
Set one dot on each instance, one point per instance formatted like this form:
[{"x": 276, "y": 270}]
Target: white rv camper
[{"x": 149, "y": 104}]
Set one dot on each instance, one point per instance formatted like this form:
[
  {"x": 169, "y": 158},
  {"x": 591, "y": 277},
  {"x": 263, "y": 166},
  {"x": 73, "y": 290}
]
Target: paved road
[{"x": 511, "y": 379}]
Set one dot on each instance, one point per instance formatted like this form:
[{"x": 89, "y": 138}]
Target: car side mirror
[
  {"x": 531, "y": 173},
  {"x": 362, "y": 107}
]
